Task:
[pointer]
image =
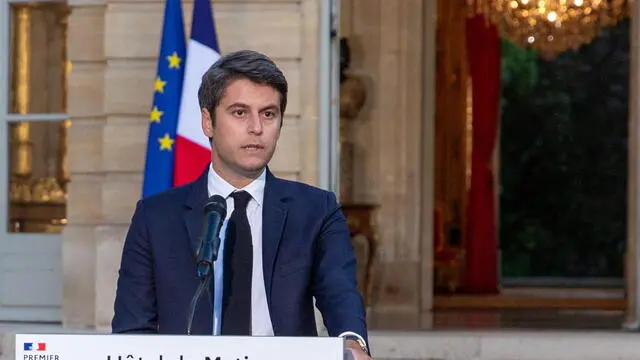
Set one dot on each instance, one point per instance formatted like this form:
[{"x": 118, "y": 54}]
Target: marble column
[{"x": 392, "y": 53}]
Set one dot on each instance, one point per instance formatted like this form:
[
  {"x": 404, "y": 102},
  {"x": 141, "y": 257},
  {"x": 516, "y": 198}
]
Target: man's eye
[
  {"x": 238, "y": 112},
  {"x": 269, "y": 114}
]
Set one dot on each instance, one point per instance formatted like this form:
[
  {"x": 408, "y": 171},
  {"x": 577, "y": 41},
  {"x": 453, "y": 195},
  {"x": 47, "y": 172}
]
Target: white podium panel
[{"x": 175, "y": 347}]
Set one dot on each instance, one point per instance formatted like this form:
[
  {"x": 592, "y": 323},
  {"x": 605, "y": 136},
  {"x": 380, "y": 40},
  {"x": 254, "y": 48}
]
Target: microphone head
[{"x": 218, "y": 204}]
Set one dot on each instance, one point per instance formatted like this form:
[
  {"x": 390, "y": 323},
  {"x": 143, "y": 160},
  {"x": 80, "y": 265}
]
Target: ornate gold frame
[{"x": 36, "y": 204}]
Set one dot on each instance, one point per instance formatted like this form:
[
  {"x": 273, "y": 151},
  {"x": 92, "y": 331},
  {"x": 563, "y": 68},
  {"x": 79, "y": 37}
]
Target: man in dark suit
[{"x": 283, "y": 242}]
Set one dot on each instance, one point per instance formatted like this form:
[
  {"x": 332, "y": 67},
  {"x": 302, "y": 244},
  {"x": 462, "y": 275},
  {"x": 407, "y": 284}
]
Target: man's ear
[{"x": 207, "y": 123}]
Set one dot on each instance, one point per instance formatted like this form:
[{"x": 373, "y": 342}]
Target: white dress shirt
[{"x": 260, "y": 318}]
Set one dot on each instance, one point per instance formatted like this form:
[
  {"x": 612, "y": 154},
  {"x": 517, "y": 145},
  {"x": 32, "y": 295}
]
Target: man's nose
[{"x": 255, "y": 124}]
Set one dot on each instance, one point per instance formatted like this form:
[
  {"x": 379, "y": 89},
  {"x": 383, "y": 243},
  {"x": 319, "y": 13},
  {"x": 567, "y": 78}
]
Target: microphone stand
[
  {"x": 215, "y": 212},
  {"x": 205, "y": 273}
]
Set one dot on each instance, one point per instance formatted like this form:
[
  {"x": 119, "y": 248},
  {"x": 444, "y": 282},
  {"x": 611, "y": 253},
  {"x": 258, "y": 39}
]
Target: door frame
[
  {"x": 30, "y": 263},
  {"x": 329, "y": 97}
]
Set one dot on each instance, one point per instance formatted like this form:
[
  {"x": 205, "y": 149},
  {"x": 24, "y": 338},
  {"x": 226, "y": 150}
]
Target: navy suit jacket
[{"x": 306, "y": 252}]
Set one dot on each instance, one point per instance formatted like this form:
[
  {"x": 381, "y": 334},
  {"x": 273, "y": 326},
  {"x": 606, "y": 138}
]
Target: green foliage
[
  {"x": 519, "y": 67},
  {"x": 564, "y": 159}
]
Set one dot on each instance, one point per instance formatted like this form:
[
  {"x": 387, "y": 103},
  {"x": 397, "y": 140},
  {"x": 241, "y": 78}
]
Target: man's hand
[{"x": 356, "y": 350}]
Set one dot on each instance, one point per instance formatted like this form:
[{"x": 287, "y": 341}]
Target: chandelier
[{"x": 551, "y": 26}]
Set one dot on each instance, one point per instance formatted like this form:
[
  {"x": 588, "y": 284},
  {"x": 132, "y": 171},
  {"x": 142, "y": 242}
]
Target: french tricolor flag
[
  {"x": 192, "y": 148},
  {"x": 35, "y": 346}
]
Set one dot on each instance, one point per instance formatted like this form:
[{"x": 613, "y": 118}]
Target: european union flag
[{"x": 158, "y": 172}]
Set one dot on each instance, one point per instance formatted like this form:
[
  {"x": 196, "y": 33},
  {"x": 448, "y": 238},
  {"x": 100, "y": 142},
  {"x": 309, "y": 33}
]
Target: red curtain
[{"x": 483, "y": 53}]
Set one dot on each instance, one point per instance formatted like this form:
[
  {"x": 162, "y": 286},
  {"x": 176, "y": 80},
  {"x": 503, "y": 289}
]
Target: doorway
[{"x": 33, "y": 128}]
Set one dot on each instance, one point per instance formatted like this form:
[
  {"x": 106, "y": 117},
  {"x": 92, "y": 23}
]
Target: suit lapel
[
  {"x": 193, "y": 215},
  {"x": 273, "y": 219}
]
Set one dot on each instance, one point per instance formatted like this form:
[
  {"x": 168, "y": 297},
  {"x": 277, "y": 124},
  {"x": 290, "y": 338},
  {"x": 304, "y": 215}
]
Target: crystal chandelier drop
[{"x": 551, "y": 26}]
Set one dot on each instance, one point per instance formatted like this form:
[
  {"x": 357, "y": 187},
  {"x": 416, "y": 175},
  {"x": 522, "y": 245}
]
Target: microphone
[{"x": 215, "y": 211}]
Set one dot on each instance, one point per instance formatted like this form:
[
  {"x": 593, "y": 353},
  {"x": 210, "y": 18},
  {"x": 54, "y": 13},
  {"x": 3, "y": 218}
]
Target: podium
[{"x": 175, "y": 347}]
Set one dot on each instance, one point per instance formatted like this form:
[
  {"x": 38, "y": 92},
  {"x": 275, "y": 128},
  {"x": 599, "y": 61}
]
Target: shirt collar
[{"x": 218, "y": 186}]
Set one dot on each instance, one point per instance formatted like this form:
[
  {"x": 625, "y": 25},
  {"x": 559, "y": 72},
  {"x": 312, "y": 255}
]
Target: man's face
[{"x": 246, "y": 130}]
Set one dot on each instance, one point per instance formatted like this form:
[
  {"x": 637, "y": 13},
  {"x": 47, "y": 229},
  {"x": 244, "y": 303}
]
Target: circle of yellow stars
[{"x": 165, "y": 142}]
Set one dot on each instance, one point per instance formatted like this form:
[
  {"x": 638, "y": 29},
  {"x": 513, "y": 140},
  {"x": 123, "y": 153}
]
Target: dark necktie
[{"x": 238, "y": 268}]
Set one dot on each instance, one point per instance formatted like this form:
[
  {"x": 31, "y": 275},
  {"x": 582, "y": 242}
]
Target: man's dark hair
[{"x": 243, "y": 64}]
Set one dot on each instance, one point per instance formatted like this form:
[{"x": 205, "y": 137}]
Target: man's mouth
[{"x": 253, "y": 147}]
